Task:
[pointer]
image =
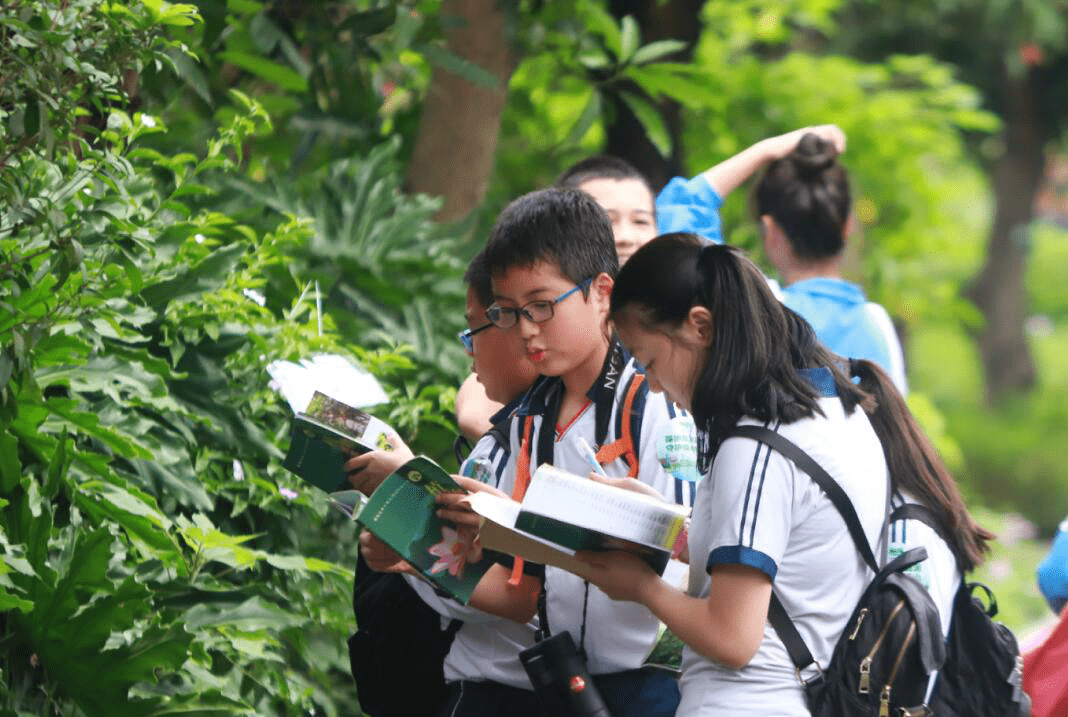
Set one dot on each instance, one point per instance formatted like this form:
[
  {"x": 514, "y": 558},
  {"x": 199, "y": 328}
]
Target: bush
[{"x": 154, "y": 557}]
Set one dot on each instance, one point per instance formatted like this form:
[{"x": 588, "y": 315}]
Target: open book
[
  {"x": 402, "y": 514},
  {"x": 562, "y": 513},
  {"x": 325, "y": 434}
]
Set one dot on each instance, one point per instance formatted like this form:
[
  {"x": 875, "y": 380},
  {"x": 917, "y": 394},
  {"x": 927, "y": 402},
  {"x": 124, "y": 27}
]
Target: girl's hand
[
  {"x": 782, "y": 145},
  {"x": 366, "y": 472},
  {"x": 619, "y": 575},
  {"x": 632, "y": 484}
]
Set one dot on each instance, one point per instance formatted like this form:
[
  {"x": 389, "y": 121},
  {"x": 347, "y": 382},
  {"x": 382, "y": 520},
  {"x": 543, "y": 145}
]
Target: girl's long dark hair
[
  {"x": 917, "y": 469},
  {"x": 757, "y": 345},
  {"x": 757, "y": 350}
]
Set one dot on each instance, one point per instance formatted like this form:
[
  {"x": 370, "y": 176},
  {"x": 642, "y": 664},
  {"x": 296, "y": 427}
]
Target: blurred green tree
[{"x": 1016, "y": 54}]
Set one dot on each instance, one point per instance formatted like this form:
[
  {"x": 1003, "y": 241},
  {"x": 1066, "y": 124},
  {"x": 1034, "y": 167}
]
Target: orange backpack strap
[
  {"x": 623, "y": 447},
  {"x": 522, "y": 480}
]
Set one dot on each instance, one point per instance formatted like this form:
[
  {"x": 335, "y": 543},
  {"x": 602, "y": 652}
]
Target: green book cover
[
  {"x": 402, "y": 514},
  {"x": 325, "y": 434}
]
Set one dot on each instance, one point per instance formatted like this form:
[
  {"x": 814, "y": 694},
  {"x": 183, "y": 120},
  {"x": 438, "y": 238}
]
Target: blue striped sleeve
[{"x": 741, "y": 555}]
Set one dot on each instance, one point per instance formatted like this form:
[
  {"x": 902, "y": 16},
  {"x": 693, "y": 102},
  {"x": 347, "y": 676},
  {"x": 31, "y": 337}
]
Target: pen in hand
[{"x": 591, "y": 457}]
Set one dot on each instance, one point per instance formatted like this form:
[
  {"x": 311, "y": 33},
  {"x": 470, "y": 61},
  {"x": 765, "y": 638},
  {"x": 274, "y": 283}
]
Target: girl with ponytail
[{"x": 710, "y": 334}]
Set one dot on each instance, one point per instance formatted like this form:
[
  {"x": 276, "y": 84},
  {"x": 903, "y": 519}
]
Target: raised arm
[{"x": 732, "y": 172}]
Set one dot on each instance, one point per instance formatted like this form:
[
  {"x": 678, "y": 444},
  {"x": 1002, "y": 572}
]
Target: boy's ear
[
  {"x": 601, "y": 286},
  {"x": 850, "y": 226},
  {"x": 776, "y": 246}
]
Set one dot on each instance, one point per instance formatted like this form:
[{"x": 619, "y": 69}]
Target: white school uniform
[
  {"x": 757, "y": 508},
  {"x": 618, "y": 635}
]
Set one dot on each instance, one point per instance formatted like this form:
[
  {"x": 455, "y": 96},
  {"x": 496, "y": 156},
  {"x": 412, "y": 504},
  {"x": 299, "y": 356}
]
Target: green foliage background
[{"x": 164, "y": 167}]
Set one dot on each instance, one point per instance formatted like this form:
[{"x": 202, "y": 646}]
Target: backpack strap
[
  {"x": 915, "y": 511},
  {"x": 624, "y": 446},
  {"x": 460, "y": 448},
  {"x": 522, "y": 480},
  {"x": 795, "y": 645},
  {"x": 822, "y": 478}
]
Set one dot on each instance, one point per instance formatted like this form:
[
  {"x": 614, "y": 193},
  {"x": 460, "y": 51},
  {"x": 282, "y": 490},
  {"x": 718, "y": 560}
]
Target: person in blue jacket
[
  {"x": 802, "y": 203},
  {"x": 1053, "y": 571},
  {"x": 683, "y": 205}
]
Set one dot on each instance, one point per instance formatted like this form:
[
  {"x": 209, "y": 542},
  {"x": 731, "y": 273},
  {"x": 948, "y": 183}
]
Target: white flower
[
  {"x": 198, "y": 238},
  {"x": 239, "y": 470},
  {"x": 287, "y": 493},
  {"x": 255, "y": 296},
  {"x": 148, "y": 120}
]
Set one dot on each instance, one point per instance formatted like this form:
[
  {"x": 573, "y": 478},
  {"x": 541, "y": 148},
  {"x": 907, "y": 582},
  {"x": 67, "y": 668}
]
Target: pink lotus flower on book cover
[{"x": 451, "y": 553}]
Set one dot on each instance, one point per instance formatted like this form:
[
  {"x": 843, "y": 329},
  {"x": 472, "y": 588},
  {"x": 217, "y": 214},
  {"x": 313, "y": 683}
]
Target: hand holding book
[
  {"x": 456, "y": 508},
  {"x": 366, "y": 471}
]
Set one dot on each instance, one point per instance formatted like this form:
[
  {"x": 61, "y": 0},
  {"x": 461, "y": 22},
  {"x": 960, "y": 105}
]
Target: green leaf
[
  {"x": 190, "y": 72},
  {"x": 590, "y": 114},
  {"x": 10, "y": 466},
  {"x": 656, "y": 50},
  {"x": 599, "y": 21},
  {"x": 369, "y": 22},
  {"x": 629, "y": 39},
  {"x": 283, "y": 76},
  {"x": 135, "y": 512},
  {"x": 457, "y": 65},
  {"x": 57, "y": 467},
  {"x": 679, "y": 82},
  {"x": 651, "y": 120},
  {"x": 14, "y": 602}
]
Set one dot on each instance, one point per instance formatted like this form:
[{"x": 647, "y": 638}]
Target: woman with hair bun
[{"x": 802, "y": 203}]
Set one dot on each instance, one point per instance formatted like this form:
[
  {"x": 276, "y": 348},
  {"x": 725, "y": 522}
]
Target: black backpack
[
  {"x": 892, "y": 642},
  {"x": 983, "y": 669},
  {"x": 399, "y": 647}
]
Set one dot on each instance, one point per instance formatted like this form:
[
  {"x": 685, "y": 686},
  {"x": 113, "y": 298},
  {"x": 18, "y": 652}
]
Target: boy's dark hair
[
  {"x": 807, "y": 194},
  {"x": 478, "y": 278},
  {"x": 562, "y": 227},
  {"x": 600, "y": 166}
]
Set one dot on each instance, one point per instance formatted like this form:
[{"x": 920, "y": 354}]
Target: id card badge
[
  {"x": 676, "y": 449},
  {"x": 478, "y": 468}
]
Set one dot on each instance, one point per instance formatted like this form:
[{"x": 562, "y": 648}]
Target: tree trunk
[
  {"x": 457, "y": 138},
  {"x": 998, "y": 290},
  {"x": 625, "y": 136}
]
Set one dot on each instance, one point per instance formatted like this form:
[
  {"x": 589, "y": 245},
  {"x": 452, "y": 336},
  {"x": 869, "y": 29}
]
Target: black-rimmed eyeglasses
[
  {"x": 466, "y": 334},
  {"x": 538, "y": 312}
]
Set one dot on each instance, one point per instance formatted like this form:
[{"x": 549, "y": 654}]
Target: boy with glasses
[
  {"x": 474, "y": 683},
  {"x": 552, "y": 259}
]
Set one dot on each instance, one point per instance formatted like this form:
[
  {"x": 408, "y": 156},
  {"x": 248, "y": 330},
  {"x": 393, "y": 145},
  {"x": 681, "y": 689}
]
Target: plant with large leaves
[{"x": 154, "y": 557}]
